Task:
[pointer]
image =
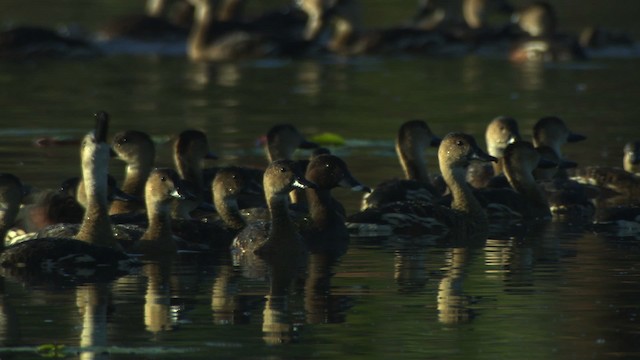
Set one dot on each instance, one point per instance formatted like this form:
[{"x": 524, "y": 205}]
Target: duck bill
[
  {"x": 480, "y": 155},
  {"x": 308, "y": 145},
  {"x": 303, "y": 183},
  {"x": 182, "y": 194},
  {"x": 573, "y": 137},
  {"x": 350, "y": 182},
  {"x": 102, "y": 125},
  {"x": 435, "y": 141}
]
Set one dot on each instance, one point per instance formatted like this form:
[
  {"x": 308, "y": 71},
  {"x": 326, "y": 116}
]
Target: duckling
[
  {"x": 539, "y": 22},
  {"x": 210, "y": 42},
  {"x": 279, "y": 237},
  {"x": 327, "y": 229},
  {"x": 29, "y": 41},
  {"x": 137, "y": 150},
  {"x": 464, "y": 219},
  {"x": 349, "y": 38},
  {"x": 501, "y": 131},
  {"x": 413, "y": 138},
  {"x": 94, "y": 244}
]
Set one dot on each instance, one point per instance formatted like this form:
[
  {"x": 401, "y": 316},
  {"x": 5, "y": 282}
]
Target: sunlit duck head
[
  {"x": 501, "y": 131},
  {"x": 283, "y": 176},
  {"x": 476, "y": 12},
  {"x": 138, "y": 151},
  {"x": 631, "y": 159},
  {"x": 11, "y": 194},
  {"x": 162, "y": 186},
  {"x": 553, "y": 132},
  {"x": 283, "y": 140},
  {"x": 457, "y": 150}
]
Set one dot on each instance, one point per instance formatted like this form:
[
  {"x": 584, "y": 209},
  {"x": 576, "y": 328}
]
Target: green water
[{"x": 557, "y": 292}]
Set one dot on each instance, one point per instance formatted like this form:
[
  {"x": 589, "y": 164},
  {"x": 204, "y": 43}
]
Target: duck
[
  {"x": 94, "y": 245},
  {"x": 412, "y": 140},
  {"x": 326, "y": 230},
  {"x": 210, "y": 40},
  {"x": 525, "y": 199},
  {"x": 162, "y": 186},
  {"x": 348, "y": 37},
  {"x": 279, "y": 237},
  {"x": 553, "y": 132},
  {"x": 137, "y": 150},
  {"x": 38, "y": 42},
  {"x": 464, "y": 219},
  {"x": 501, "y": 131},
  {"x": 541, "y": 42},
  {"x": 189, "y": 150},
  {"x": 623, "y": 184}
]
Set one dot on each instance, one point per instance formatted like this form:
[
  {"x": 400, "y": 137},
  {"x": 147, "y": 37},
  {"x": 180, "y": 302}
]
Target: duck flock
[
  {"x": 218, "y": 30},
  {"x": 274, "y": 218}
]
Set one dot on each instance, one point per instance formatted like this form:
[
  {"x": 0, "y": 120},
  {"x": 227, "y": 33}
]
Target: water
[{"x": 557, "y": 292}]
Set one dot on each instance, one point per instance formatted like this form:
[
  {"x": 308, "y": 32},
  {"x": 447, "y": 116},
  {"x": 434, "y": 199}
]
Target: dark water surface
[{"x": 557, "y": 292}]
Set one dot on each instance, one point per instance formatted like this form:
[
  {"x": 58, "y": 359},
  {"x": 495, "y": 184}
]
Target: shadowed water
[{"x": 552, "y": 291}]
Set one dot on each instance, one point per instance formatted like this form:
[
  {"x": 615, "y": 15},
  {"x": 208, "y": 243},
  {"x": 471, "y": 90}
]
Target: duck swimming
[
  {"x": 413, "y": 138},
  {"x": 464, "y": 219},
  {"x": 94, "y": 244},
  {"x": 327, "y": 230},
  {"x": 541, "y": 42},
  {"x": 279, "y": 237}
]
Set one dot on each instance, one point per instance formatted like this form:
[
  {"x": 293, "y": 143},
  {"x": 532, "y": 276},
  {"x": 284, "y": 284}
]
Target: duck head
[
  {"x": 457, "y": 150},
  {"x": 282, "y": 176},
  {"x": 501, "y": 131},
  {"x": 283, "y": 140},
  {"x": 329, "y": 171},
  {"x": 552, "y": 131},
  {"x": 164, "y": 185},
  {"x": 134, "y": 147}
]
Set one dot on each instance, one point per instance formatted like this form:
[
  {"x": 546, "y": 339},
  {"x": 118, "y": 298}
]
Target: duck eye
[
  {"x": 459, "y": 143},
  {"x": 164, "y": 178},
  {"x": 282, "y": 169}
]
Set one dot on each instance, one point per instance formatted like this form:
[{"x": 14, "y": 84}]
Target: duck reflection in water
[
  {"x": 453, "y": 303},
  {"x": 94, "y": 301}
]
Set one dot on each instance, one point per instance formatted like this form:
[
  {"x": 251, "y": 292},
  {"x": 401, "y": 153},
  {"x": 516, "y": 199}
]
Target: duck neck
[
  {"x": 524, "y": 183},
  {"x": 498, "y": 166},
  {"x": 159, "y": 216},
  {"x": 191, "y": 170},
  {"x": 227, "y": 208},
  {"x": 96, "y": 226},
  {"x": 463, "y": 199},
  {"x": 413, "y": 163},
  {"x": 282, "y": 227},
  {"x": 134, "y": 181},
  {"x": 344, "y": 32},
  {"x": 320, "y": 208},
  {"x": 203, "y": 18}
]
